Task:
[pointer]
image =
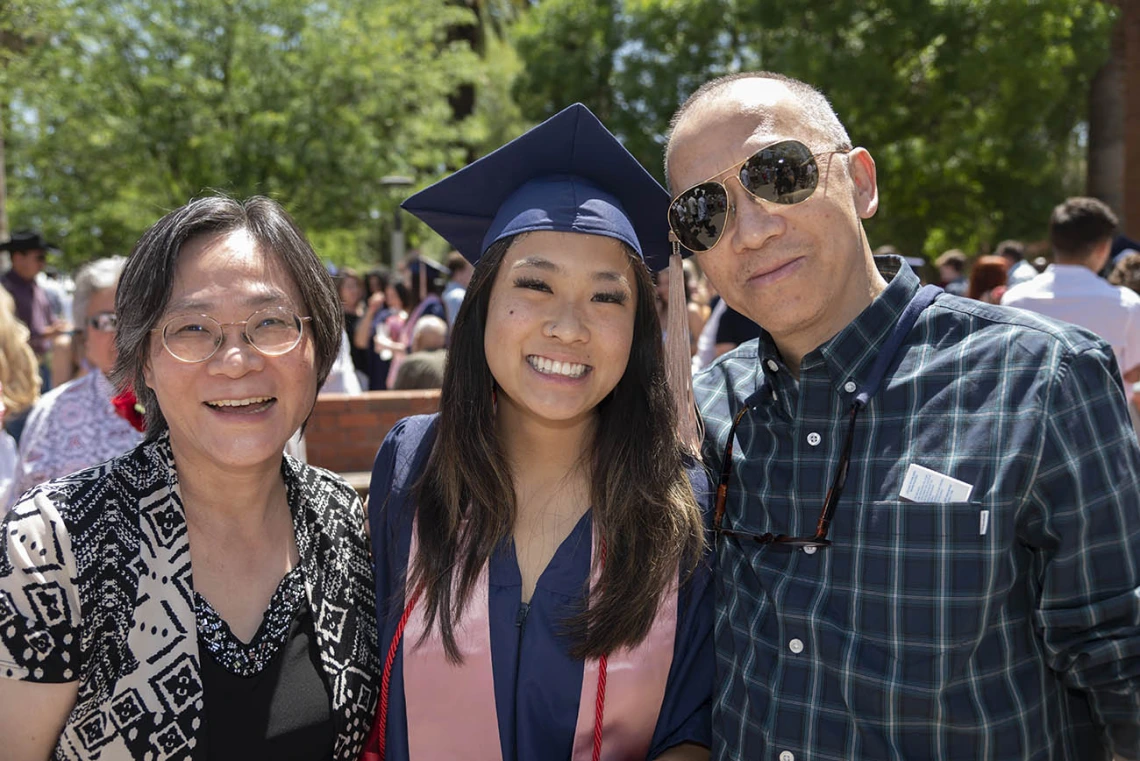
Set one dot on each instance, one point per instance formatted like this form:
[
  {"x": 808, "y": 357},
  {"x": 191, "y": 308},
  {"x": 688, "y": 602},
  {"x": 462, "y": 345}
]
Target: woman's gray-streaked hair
[
  {"x": 148, "y": 279},
  {"x": 95, "y": 276}
]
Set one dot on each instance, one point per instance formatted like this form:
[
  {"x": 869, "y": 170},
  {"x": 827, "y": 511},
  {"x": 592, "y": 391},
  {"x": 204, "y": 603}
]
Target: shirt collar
[
  {"x": 1072, "y": 271},
  {"x": 849, "y": 354}
]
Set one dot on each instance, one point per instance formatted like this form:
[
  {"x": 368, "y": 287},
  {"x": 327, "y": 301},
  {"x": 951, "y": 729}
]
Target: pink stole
[{"x": 451, "y": 708}]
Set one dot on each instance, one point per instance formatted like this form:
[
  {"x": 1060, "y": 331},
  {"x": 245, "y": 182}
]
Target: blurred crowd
[{"x": 61, "y": 413}]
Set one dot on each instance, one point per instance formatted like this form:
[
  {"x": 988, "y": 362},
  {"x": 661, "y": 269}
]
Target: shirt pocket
[{"x": 927, "y": 573}]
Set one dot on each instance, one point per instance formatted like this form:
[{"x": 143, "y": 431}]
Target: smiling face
[
  {"x": 802, "y": 271},
  {"x": 559, "y": 325},
  {"x": 236, "y": 409}
]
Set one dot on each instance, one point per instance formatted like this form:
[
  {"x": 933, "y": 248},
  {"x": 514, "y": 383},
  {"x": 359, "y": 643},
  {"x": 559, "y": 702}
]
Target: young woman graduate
[{"x": 541, "y": 571}]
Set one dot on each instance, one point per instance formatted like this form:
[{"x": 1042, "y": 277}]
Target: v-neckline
[{"x": 511, "y": 574}]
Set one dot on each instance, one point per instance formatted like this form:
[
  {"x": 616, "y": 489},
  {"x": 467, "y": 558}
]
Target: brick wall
[{"x": 345, "y": 431}]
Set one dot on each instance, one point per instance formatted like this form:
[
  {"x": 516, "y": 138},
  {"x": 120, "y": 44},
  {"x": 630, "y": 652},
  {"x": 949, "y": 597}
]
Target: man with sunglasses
[{"x": 928, "y": 524}]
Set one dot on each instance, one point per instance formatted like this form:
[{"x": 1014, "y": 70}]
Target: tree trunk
[
  {"x": 3, "y": 183},
  {"x": 1106, "y": 126},
  {"x": 1130, "y": 218}
]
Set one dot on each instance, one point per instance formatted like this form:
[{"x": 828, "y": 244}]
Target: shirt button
[
  {"x": 797, "y": 647},
  {"x": 772, "y": 365},
  {"x": 787, "y": 756},
  {"x": 810, "y": 549},
  {"x": 814, "y": 439},
  {"x": 849, "y": 387}
]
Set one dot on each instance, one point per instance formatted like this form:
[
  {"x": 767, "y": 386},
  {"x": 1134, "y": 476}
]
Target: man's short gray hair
[
  {"x": 99, "y": 275},
  {"x": 815, "y": 111}
]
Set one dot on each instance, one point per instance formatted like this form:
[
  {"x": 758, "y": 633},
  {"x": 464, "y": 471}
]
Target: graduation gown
[{"x": 537, "y": 684}]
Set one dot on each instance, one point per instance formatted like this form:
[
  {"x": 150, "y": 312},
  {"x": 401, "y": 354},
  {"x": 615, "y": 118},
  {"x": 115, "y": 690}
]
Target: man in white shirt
[{"x": 1080, "y": 232}]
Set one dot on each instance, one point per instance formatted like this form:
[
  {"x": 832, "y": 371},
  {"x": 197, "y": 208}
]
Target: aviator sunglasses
[{"x": 785, "y": 173}]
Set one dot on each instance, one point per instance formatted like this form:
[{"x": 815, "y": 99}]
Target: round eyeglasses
[{"x": 197, "y": 337}]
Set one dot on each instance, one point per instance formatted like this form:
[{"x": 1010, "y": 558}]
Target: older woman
[
  {"x": 75, "y": 425},
  {"x": 202, "y": 596}
]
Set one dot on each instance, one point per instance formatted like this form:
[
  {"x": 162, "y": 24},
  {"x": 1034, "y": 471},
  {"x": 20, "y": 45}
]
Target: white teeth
[
  {"x": 554, "y": 367},
  {"x": 240, "y": 402}
]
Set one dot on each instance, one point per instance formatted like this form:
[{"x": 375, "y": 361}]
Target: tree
[
  {"x": 972, "y": 109},
  {"x": 139, "y": 105}
]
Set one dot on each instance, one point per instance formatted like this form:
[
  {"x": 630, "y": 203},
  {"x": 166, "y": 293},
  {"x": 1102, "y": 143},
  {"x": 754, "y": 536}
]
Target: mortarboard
[
  {"x": 568, "y": 174},
  {"x": 435, "y": 272}
]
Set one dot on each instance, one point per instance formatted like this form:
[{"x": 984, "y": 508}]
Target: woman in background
[
  {"x": 988, "y": 279},
  {"x": 77, "y": 425}
]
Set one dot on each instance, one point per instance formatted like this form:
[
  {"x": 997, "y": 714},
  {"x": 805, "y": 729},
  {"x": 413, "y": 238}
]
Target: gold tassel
[{"x": 678, "y": 358}]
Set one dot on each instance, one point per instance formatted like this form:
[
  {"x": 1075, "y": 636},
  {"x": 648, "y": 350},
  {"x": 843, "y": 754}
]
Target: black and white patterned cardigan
[{"x": 96, "y": 585}]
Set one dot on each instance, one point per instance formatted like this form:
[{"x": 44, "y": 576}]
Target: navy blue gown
[{"x": 537, "y": 684}]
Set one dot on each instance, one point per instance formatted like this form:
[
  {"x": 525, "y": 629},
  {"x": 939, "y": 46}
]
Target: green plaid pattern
[{"x": 1005, "y": 627}]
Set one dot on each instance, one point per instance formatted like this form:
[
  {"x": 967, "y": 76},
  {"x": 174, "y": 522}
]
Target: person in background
[
  {"x": 545, "y": 529},
  {"x": 459, "y": 276},
  {"x": 987, "y": 279},
  {"x": 927, "y": 525},
  {"x": 203, "y": 596},
  {"x": 1013, "y": 251},
  {"x": 375, "y": 281},
  {"x": 19, "y": 372},
  {"x": 76, "y": 425},
  {"x": 28, "y": 252},
  {"x": 19, "y": 385},
  {"x": 8, "y": 456},
  {"x": 1080, "y": 234},
  {"x": 350, "y": 289},
  {"x": 1126, "y": 273},
  {"x": 952, "y": 272},
  {"x": 424, "y": 284},
  {"x": 1122, "y": 246},
  {"x": 424, "y": 367}
]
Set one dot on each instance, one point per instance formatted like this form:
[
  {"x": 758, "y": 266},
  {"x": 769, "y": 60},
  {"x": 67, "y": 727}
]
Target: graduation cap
[
  {"x": 434, "y": 270},
  {"x": 568, "y": 174},
  {"x": 25, "y": 240},
  {"x": 431, "y": 271}
]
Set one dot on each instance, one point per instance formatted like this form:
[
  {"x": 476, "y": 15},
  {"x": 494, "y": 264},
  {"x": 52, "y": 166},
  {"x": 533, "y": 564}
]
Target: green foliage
[
  {"x": 117, "y": 111},
  {"x": 973, "y": 109},
  {"x": 133, "y": 107}
]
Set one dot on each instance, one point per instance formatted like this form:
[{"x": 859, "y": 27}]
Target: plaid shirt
[{"x": 1003, "y": 627}]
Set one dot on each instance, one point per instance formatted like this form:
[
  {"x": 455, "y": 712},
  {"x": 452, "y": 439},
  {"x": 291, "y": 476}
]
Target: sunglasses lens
[
  {"x": 783, "y": 173},
  {"x": 697, "y": 216}
]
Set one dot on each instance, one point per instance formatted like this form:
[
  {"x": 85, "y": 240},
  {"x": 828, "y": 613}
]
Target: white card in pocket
[{"x": 926, "y": 485}]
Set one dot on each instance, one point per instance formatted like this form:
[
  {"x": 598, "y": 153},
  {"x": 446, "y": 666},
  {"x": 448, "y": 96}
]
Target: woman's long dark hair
[{"x": 643, "y": 506}]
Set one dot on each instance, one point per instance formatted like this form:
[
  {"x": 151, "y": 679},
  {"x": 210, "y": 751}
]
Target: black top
[
  {"x": 359, "y": 356},
  {"x": 735, "y": 328},
  {"x": 267, "y": 698}
]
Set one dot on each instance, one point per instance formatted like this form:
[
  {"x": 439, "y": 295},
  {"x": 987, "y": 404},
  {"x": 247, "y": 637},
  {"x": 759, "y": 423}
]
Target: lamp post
[{"x": 397, "y": 250}]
